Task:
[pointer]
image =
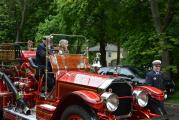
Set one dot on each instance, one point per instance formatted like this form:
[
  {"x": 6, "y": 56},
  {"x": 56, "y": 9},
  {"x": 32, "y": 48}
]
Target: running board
[{"x": 19, "y": 115}]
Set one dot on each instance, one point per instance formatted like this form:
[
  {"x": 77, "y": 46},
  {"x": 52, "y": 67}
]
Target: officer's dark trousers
[
  {"x": 158, "y": 108},
  {"x": 50, "y": 77}
]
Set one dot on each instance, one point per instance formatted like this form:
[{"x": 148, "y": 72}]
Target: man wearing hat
[
  {"x": 155, "y": 78},
  {"x": 41, "y": 59},
  {"x": 41, "y": 50}
]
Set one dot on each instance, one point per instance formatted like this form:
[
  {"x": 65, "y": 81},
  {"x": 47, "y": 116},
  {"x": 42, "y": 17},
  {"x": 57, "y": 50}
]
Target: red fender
[
  {"x": 139, "y": 114},
  {"x": 91, "y": 98},
  {"x": 153, "y": 91}
]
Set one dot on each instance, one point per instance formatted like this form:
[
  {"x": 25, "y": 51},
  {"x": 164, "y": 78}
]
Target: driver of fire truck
[{"x": 41, "y": 60}]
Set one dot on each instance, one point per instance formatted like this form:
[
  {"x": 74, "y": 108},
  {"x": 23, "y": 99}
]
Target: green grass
[{"x": 174, "y": 98}]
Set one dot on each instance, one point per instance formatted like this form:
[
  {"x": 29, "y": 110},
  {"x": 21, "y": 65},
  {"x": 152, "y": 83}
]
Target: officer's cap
[{"x": 156, "y": 62}]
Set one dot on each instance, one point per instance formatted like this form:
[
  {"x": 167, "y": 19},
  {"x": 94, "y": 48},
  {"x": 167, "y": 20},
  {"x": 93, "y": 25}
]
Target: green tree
[
  {"x": 6, "y": 23},
  {"x": 20, "y": 18},
  {"x": 128, "y": 23},
  {"x": 94, "y": 19}
]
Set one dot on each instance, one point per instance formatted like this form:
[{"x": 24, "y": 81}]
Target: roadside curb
[{"x": 171, "y": 104}]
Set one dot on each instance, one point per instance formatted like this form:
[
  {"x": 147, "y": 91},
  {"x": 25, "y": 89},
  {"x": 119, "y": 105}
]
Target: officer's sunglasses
[{"x": 157, "y": 65}]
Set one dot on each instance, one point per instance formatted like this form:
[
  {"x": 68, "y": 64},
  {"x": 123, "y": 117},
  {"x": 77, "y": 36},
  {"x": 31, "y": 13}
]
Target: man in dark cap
[
  {"x": 41, "y": 54},
  {"x": 41, "y": 50},
  {"x": 155, "y": 78}
]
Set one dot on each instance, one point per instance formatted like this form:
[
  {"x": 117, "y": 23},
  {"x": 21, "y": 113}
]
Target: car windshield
[
  {"x": 104, "y": 70},
  {"x": 130, "y": 71},
  {"x": 138, "y": 73},
  {"x": 124, "y": 71}
]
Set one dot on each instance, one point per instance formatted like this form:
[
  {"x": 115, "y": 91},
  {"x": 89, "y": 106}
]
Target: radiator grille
[{"x": 124, "y": 92}]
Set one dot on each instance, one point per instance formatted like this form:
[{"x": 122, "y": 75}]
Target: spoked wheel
[{"x": 76, "y": 112}]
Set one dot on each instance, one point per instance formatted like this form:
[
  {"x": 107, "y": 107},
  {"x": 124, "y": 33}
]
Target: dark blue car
[
  {"x": 130, "y": 72},
  {"x": 135, "y": 74}
]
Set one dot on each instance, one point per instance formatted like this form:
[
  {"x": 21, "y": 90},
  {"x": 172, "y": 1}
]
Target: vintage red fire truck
[{"x": 78, "y": 94}]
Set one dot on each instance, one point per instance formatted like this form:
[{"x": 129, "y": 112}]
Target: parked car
[
  {"x": 127, "y": 71},
  {"x": 135, "y": 74}
]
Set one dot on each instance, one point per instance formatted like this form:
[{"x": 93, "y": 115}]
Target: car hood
[{"x": 82, "y": 78}]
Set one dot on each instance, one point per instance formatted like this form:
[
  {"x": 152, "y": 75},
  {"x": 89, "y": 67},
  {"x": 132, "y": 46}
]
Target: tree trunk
[
  {"x": 102, "y": 38},
  {"x": 166, "y": 62},
  {"x": 20, "y": 26},
  {"x": 155, "y": 15},
  {"x": 161, "y": 29},
  {"x": 118, "y": 53},
  {"x": 103, "y": 53},
  {"x": 169, "y": 15}
]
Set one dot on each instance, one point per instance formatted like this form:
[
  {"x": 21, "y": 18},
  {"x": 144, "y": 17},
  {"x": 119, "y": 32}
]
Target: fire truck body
[
  {"x": 77, "y": 93},
  {"x": 75, "y": 89}
]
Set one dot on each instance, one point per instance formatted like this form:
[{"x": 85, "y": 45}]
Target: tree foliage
[
  {"x": 144, "y": 28},
  {"x": 20, "y": 18}
]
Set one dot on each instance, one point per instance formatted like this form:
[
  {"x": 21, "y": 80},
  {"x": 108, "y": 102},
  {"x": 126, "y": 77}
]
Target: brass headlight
[
  {"x": 111, "y": 100},
  {"x": 141, "y": 97}
]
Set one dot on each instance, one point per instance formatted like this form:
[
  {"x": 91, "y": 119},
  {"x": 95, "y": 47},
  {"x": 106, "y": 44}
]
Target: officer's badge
[{"x": 154, "y": 78}]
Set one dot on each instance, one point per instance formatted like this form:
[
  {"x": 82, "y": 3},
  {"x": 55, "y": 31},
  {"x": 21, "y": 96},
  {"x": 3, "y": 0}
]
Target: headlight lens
[
  {"x": 142, "y": 97},
  {"x": 111, "y": 100}
]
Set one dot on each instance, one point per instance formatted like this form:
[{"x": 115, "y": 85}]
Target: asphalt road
[{"x": 173, "y": 111}]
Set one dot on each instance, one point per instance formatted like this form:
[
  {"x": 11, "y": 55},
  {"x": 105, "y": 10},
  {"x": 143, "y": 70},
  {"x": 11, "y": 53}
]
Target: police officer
[{"x": 155, "y": 78}]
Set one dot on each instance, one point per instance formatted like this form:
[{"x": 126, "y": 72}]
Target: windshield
[
  {"x": 124, "y": 71},
  {"x": 104, "y": 70},
  {"x": 77, "y": 44},
  {"x": 138, "y": 73},
  {"x": 130, "y": 71}
]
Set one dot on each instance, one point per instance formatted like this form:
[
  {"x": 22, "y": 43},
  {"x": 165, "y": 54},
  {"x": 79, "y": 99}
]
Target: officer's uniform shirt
[
  {"x": 41, "y": 62},
  {"x": 155, "y": 79},
  {"x": 41, "y": 54}
]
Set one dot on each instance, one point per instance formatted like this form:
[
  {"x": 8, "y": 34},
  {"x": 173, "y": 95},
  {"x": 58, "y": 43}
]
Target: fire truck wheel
[{"x": 76, "y": 112}]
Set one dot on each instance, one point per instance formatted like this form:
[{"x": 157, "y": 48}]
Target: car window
[
  {"x": 112, "y": 70},
  {"x": 124, "y": 71},
  {"x": 138, "y": 73},
  {"x": 103, "y": 70}
]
